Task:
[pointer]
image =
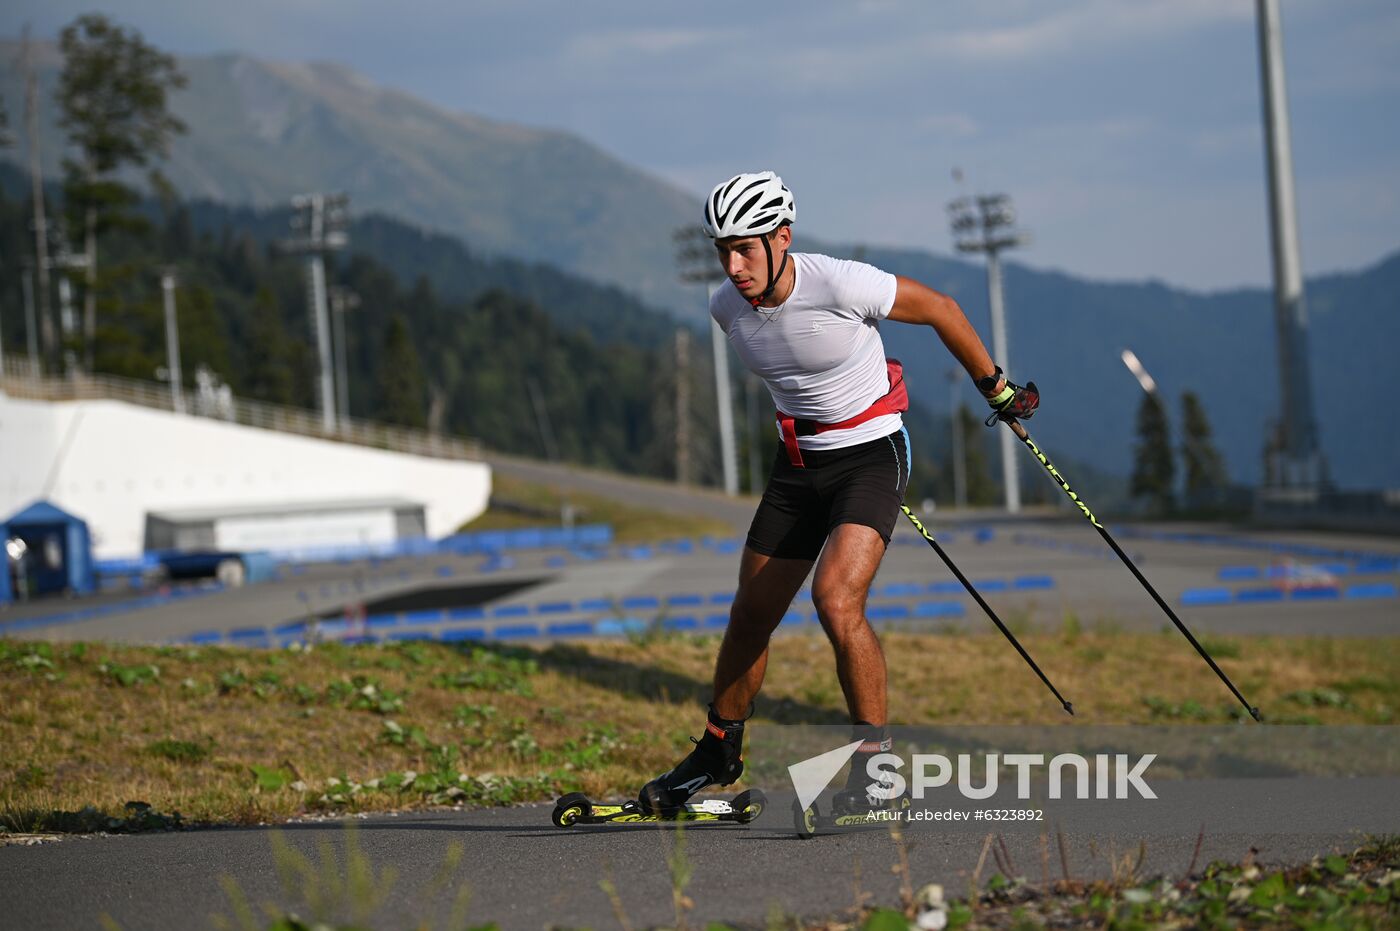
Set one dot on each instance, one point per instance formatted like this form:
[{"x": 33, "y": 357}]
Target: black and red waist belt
[{"x": 894, "y": 401}]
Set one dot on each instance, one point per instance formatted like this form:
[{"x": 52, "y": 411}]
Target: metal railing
[{"x": 20, "y": 381}]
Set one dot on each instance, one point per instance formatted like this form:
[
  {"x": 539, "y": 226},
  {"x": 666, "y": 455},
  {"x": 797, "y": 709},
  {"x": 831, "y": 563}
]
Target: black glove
[{"x": 1010, "y": 401}]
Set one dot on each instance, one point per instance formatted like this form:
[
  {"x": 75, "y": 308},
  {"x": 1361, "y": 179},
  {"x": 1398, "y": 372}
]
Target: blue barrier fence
[
  {"x": 621, "y": 607},
  {"x": 1200, "y": 597},
  {"x": 92, "y": 612},
  {"x": 1305, "y": 570},
  {"x": 1269, "y": 546},
  {"x": 456, "y": 624},
  {"x": 382, "y": 628}
]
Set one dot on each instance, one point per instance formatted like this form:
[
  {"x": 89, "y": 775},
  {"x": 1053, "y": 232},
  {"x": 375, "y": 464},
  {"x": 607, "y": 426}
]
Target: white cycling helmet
[{"x": 748, "y": 205}]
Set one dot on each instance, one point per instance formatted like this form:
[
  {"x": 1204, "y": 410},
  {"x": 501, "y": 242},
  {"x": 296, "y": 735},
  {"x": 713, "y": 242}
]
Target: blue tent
[{"x": 58, "y": 551}]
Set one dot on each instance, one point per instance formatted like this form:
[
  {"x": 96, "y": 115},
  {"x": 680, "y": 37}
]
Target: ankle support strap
[
  {"x": 720, "y": 732},
  {"x": 874, "y": 738}
]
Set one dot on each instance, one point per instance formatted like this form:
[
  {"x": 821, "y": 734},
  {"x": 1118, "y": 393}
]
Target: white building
[{"x": 113, "y": 464}]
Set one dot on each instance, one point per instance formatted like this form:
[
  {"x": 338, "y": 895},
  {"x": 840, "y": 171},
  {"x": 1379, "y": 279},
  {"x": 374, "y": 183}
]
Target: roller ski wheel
[
  {"x": 810, "y": 821},
  {"x": 748, "y": 805},
  {"x": 805, "y": 820},
  {"x": 570, "y": 808},
  {"x": 576, "y": 809}
]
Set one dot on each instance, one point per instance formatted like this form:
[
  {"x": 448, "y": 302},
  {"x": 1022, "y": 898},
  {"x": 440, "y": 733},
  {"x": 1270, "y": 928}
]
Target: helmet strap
[{"x": 772, "y": 278}]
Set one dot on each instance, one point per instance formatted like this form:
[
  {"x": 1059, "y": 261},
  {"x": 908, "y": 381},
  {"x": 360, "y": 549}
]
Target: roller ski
[
  {"x": 810, "y": 821},
  {"x": 860, "y": 804},
  {"x": 576, "y": 809}
]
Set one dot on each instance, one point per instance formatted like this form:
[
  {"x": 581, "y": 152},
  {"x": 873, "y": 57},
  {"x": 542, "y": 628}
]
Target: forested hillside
[{"x": 456, "y": 345}]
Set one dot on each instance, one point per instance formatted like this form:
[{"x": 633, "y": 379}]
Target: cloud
[
  {"x": 1099, "y": 22},
  {"x": 628, "y": 43},
  {"x": 955, "y": 125},
  {"x": 889, "y": 43},
  {"x": 1228, "y": 141}
]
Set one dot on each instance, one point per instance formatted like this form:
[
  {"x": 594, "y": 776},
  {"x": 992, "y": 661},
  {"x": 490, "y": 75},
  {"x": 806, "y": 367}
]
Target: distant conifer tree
[
  {"x": 1153, "y": 467},
  {"x": 112, "y": 99},
  {"x": 1201, "y": 461},
  {"x": 403, "y": 394},
  {"x": 982, "y": 488}
]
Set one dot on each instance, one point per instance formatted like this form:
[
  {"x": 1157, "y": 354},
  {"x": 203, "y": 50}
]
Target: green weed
[
  {"x": 1318, "y": 698},
  {"x": 181, "y": 751},
  {"x": 1220, "y": 649},
  {"x": 127, "y": 676}
]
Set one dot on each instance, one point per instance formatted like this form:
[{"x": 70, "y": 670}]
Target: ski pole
[
  {"x": 1025, "y": 437},
  {"x": 919, "y": 526}
]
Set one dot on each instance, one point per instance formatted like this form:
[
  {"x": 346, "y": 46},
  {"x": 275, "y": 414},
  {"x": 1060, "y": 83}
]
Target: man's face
[{"x": 746, "y": 263}]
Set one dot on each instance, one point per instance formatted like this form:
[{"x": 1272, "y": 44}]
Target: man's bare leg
[
  {"x": 767, "y": 586},
  {"x": 847, "y": 567}
]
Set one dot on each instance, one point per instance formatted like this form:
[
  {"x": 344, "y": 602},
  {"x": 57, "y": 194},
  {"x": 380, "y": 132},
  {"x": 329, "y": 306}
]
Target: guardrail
[{"x": 20, "y": 381}]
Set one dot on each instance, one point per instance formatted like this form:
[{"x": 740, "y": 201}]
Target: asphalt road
[{"x": 523, "y": 872}]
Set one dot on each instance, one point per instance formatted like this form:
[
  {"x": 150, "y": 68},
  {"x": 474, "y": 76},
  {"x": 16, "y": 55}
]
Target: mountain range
[
  {"x": 261, "y": 131},
  {"x": 1068, "y": 334}
]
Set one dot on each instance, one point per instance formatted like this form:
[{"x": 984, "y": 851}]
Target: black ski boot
[
  {"x": 856, "y": 798},
  {"x": 714, "y": 761}
]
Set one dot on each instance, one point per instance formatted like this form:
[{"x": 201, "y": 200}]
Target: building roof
[
  {"x": 270, "y": 509},
  {"x": 41, "y": 512}
]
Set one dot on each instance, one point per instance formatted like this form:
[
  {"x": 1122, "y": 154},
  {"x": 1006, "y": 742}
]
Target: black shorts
[{"x": 862, "y": 484}]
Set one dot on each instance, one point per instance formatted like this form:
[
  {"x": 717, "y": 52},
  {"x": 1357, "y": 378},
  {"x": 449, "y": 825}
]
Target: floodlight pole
[
  {"x": 36, "y": 176},
  {"x": 683, "y": 406},
  {"x": 172, "y": 343},
  {"x": 987, "y": 228},
  {"x": 66, "y": 261},
  {"x": 322, "y": 329},
  {"x": 1294, "y": 457},
  {"x": 31, "y": 327},
  {"x": 955, "y": 377},
  {"x": 719, "y": 344},
  {"x": 321, "y": 219},
  {"x": 751, "y": 390},
  {"x": 697, "y": 261},
  {"x": 1010, "y": 474},
  {"x": 342, "y": 300}
]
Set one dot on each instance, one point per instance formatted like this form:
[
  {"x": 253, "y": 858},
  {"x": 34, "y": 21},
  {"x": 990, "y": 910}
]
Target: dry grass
[
  {"x": 534, "y": 505},
  {"x": 92, "y": 725}
]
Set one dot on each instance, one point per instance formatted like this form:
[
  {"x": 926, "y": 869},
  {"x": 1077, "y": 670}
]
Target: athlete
[{"x": 808, "y": 325}]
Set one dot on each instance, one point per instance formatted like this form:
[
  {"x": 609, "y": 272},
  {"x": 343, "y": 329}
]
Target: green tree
[
  {"x": 402, "y": 390},
  {"x": 112, "y": 102},
  {"x": 982, "y": 488},
  {"x": 1201, "y": 461},
  {"x": 269, "y": 372},
  {"x": 1153, "y": 466},
  {"x": 203, "y": 336}
]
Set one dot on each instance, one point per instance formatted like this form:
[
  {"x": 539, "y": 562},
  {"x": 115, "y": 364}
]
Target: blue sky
[{"x": 1128, "y": 131}]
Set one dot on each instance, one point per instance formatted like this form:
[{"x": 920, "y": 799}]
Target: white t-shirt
[{"x": 819, "y": 351}]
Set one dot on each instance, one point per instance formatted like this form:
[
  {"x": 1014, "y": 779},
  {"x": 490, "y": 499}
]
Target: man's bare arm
[{"x": 918, "y": 303}]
